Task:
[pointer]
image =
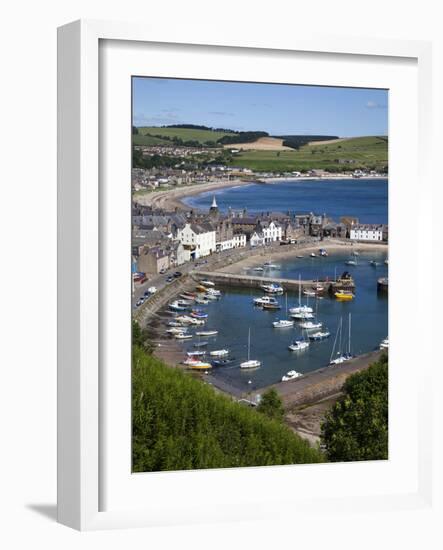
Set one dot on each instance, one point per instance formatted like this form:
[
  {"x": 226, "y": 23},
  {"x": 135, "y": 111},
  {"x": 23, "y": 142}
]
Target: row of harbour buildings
[{"x": 161, "y": 239}]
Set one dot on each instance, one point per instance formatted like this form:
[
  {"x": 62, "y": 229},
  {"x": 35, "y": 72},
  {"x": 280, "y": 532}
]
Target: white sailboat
[
  {"x": 295, "y": 311},
  {"x": 284, "y": 323},
  {"x": 340, "y": 356},
  {"x": 250, "y": 363}
]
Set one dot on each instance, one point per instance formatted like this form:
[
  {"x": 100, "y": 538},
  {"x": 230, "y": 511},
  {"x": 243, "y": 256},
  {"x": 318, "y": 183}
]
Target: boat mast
[
  {"x": 349, "y": 336},
  {"x": 249, "y": 342},
  {"x": 299, "y": 290},
  {"x": 335, "y": 342}
]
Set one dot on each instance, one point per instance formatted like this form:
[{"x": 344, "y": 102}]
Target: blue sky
[{"x": 274, "y": 108}]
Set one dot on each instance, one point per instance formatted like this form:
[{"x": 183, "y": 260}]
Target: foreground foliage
[
  {"x": 356, "y": 428},
  {"x": 180, "y": 423}
]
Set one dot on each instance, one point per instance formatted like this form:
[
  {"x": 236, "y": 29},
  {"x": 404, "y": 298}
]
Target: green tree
[
  {"x": 141, "y": 337},
  {"x": 356, "y": 427},
  {"x": 271, "y": 405}
]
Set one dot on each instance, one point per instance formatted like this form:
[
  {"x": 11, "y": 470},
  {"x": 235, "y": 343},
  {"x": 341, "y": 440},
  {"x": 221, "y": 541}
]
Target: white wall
[{"x": 27, "y": 407}]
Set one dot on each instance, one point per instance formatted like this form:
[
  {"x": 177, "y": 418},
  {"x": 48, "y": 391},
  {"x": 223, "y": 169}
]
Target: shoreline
[
  {"x": 291, "y": 251},
  {"x": 171, "y": 199}
]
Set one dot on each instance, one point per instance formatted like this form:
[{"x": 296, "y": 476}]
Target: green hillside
[
  {"x": 363, "y": 153},
  {"x": 185, "y": 134},
  {"x": 140, "y": 139},
  {"x": 180, "y": 423}
]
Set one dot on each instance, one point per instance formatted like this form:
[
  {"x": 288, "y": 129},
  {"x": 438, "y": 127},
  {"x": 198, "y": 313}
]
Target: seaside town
[{"x": 259, "y": 294}]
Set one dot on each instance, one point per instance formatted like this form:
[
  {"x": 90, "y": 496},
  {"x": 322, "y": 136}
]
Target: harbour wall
[{"x": 321, "y": 383}]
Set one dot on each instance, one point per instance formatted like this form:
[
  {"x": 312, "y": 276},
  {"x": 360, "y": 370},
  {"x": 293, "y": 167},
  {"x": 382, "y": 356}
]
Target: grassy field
[
  {"x": 366, "y": 152},
  {"x": 149, "y": 140},
  {"x": 185, "y": 134}
]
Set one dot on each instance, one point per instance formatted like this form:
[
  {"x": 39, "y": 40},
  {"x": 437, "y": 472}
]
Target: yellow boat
[
  {"x": 344, "y": 295},
  {"x": 200, "y": 366},
  {"x": 201, "y": 288}
]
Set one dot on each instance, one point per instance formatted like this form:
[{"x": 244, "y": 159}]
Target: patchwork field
[
  {"x": 347, "y": 154},
  {"x": 262, "y": 144},
  {"x": 186, "y": 134}
]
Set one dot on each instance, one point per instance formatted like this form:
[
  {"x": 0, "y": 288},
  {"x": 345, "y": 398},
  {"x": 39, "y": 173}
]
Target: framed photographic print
[{"x": 235, "y": 225}]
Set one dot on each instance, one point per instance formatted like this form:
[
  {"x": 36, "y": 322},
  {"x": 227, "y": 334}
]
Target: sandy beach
[
  {"x": 332, "y": 246},
  {"x": 171, "y": 199}
]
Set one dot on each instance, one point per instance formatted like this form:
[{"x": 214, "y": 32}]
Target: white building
[
  {"x": 272, "y": 231},
  {"x": 367, "y": 232},
  {"x": 257, "y": 239},
  {"x": 237, "y": 241},
  {"x": 197, "y": 239}
]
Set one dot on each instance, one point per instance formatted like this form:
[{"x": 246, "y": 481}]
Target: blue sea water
[{"x": 366, "y": 199}]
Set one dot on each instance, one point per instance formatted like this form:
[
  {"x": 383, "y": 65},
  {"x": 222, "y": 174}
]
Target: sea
[{"x": 234, "y": 314}]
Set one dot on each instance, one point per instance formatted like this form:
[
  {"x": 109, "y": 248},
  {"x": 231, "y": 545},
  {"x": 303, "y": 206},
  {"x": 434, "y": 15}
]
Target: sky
[{"x": 274, "y": 108}]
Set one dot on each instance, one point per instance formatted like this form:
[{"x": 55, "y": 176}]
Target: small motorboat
[
  {"x": 301, "y": 309},
  {"x": 323, "y": 252},
  {"x": 291, "y": 375},
  {"x": 384, "y": 344},
  {"x": 251, "y": 364},
  {"x": 298, "y": 345},
  {"x": 210, "y": 297},
  {"x": 374, "y": 263},
  {"x": 272, "y": 288},
  {"x": 302, "y": 316},
  {"x": 222, "y": 362},
  {"x": 258, "y": 268},
  {"x": 219, "y": 353},
  {"x": 202, "y": 301},
  {"x": 207, "y": 333},
  {"x": 200, "y": 365},
  {"x": 299, "y": 256},
  {"x": 207, "y": 283},
  {"x": 182, "y": 336},
  {"x": 319, "y": 335},
  {"x": 351, "y": 262},
  {"x": 309, "y": 292},
  {"x": 309, "y": 325},
  {"x": 201, "y": 288},
  {"x": 175, "y": 306},
  {"x": 313, "y": 255},
  {"x": 344, "y": 295},
  {"x": 271, "y": 307},
  {"x": 264, "y": 300},
  {"x": 269, "y": 265},
  {"x": 198, "y": 314},
  {"x": 176, "y": 330},
  {"x": 195, "y": 353},
  {"x": 283, "y": 323}
]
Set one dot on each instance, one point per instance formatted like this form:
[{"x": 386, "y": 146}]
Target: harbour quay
[{"x": 253, "y": 281}]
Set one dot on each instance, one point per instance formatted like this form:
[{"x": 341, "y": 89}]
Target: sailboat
[
  {"x": 341, "y": 357},
  {"x": 250, "y": 363},
  {"x": 303, "y": 310},
  {"x": 284, "y": 323}
]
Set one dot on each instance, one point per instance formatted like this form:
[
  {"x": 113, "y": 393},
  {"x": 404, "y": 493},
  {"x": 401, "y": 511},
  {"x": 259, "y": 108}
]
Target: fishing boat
[
  {"x": 272, "y": 288},
  {"x": 184, "y": 303},
  {"x": 309, "y": 325},
  {"x": 250, "y": 363},
  {"x": 200, "y": 365},
  {"x": 219, "y": 353},
  {"x": 202, "y": 301},
  {"x": 298, "y": 345},
  {"x": 341, "y": 356},
  {"x": 191, "y": 361},
  {"x": 291, "y": 375},
  {"x": 264, "y": 300},
  {"x": 284, "y": 323},
  {"x": 207, "y": 283},
  {"x": 315, "y": 336},
  {"x": 384, "y": 344},
  {"x": 207, "y": 333},
  {"x": 344, "y": 295}
]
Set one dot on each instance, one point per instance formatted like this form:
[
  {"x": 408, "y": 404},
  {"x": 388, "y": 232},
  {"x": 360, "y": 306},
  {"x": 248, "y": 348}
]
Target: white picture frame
[{"x": 83, "y": 208}]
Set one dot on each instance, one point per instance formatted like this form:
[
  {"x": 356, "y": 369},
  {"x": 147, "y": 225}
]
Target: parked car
[
  {"x": 178, "y": 274},
  {"x": 162, "y": 271},
  {"x": 169, "y": 279}
]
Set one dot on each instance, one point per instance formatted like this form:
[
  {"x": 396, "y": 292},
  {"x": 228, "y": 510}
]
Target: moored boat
[
  {"x": 309, "y": 325},
  {"x": 207, "y": 333},
  {"x": 283, "y": 323},
  {"x": 315, "y": 336},
  {"x": 291, "y": 375},
  {"x": 250, "y": 363},
  {"x": 298, "y": 345},
  {"x": 344, "y": 295},
  {"x": 219, "y": 353}
]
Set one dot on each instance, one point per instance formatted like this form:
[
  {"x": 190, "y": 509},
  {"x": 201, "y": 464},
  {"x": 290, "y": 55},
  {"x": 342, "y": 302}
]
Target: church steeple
[
  {"x": 214, "y": 204},
  {"x": 213, "y": 211}
]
